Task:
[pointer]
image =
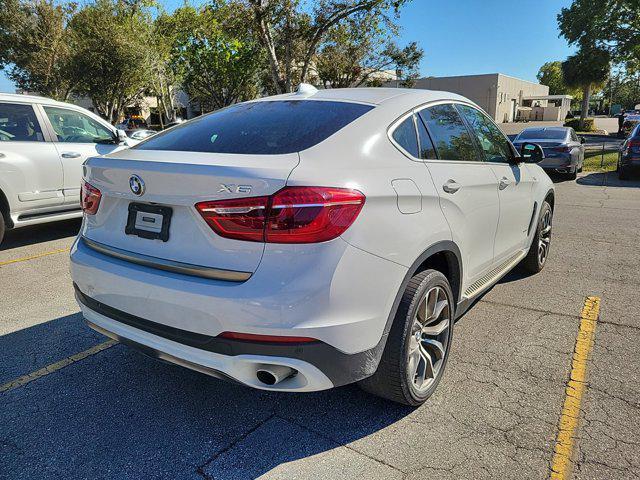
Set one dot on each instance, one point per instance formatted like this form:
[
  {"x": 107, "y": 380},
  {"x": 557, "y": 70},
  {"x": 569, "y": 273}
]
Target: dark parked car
[
  {"x": 563, "y": 149},
  {"x": 629, "y": 156},
  {"x": 631, "y": 121}
]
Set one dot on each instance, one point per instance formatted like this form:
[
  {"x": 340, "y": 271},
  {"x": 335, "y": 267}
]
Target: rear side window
[
  {"x": 259, "y": 128},
  {"x": 449, "y": 133},
  {"x": 18, "y": 123},
  {"x": 405, "y": 136}
]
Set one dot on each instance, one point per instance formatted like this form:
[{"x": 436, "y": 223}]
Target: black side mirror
[
  {"x": 582, "y": 140},
  {"x": 531, "y": 153}
]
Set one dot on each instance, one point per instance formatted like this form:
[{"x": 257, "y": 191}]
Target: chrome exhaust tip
[{"x": 271, "y": 375}]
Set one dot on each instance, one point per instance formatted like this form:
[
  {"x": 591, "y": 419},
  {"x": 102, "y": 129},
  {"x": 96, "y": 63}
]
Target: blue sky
[{"x": 462, "y": 37}]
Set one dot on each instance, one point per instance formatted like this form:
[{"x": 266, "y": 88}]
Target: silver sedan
[{"x": 563, "y": 149}]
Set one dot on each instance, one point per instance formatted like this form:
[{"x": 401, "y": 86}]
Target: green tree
[
  {"x": 360, "y": 52},
  {"x": 624, "y": 89},
  {"x": 36, "y": 44},
  {"x": 587, "y": 69},
  {"x": 613, "y": 25},
  {"x": 550, "y": 74},
  {"x": 292, "y": 34},
  {"x": 113, "y": 47},
  {"x": 214, "y": 54}
]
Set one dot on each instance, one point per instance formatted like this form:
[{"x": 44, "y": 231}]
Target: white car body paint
[{"x": 341, "y": 292}]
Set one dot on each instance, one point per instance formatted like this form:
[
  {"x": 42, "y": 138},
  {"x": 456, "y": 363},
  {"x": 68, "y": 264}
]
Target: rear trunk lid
[
  {"x": 179, "y": 180},
  {"x": 548, "y": 146}
]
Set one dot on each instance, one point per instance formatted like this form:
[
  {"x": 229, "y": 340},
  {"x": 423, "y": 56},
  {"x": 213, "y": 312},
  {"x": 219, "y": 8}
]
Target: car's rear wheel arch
[
  {"x": 444, "y": 257},
  {"x": 446, "y": 262}
]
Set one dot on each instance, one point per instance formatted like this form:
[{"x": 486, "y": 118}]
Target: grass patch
[{"x": 593, "y": 161}]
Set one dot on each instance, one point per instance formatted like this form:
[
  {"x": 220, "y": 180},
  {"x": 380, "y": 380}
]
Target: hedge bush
[{"x": 575, "y": 124}]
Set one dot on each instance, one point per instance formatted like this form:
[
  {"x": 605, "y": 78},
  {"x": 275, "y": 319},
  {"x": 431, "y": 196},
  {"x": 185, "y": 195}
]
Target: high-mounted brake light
[
  {"x": 89, "y": 198},
  {"x": 291, "y": 215}
]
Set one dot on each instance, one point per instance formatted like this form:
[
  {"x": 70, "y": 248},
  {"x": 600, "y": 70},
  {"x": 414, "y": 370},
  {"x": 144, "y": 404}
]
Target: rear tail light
[
  {"x": 633, "y": 146},
  {"x": 562, "y": 149},
  {"x": 89, "y": 198},
  {"x": 291, "y": 215}
]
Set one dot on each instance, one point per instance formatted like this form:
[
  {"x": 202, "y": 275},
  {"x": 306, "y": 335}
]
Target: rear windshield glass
[
  {"x": 542, "y": 134},
  {"x": 267, "y": 128}
]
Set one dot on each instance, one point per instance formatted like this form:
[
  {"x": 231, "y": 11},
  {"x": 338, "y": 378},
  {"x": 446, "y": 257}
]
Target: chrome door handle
[
  {"x": 504, "y": 183},
  {"x": 70, "y": 155},
  {"x": 451, "y": 186}
]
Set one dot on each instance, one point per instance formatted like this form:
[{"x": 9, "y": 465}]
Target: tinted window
[
  {"x": 449, "y": 133},
  {"x": 405, "y": 136},
  {"x": 494, "y": 144},
  {"x": 574, "y": 137},
  {"x": 75, "y": 127},
  {"x": 267, "y": 128},
  {"x": 426, "y": 146},
  {"x": 542, "y": 134},
  {"x": 18, "y": 123}
]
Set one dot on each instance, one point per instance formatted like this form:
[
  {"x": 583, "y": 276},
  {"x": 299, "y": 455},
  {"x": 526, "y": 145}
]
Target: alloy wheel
[
  {"x": 429, "y": 340},
  {"x": 544, "y": 239}
]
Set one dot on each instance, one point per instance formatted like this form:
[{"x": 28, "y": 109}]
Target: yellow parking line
[
  {"x": 568, "y": 425},
  {"x": 24, "y": 259},
  {"x": 30, "y": 377}
]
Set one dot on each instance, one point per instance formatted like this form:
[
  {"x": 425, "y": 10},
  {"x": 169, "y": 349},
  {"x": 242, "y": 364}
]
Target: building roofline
[
  {"x": 521, "y": 80},
  {"x": 496, "y": 74}
]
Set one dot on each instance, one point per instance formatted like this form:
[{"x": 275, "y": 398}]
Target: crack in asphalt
[{"x": 201, "y": 469}]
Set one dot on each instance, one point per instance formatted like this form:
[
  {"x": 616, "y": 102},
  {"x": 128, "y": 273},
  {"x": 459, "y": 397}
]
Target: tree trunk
[{"x": 586, "y": 96}]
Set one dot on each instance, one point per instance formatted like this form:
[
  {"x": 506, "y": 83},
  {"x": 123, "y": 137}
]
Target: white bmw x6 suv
[{"x": 310, "y": 240}]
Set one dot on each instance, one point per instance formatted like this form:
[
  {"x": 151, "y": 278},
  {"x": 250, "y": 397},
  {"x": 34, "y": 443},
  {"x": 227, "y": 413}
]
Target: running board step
[{"x": 494, "y": 275}]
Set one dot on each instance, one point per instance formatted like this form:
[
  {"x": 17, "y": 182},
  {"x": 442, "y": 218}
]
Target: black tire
[
  {"x": 391, "y": 380},
  {"x": 2, "y": 227},
  {"x": 533, "y": 262},
  {"x": 573, "y": 174}
]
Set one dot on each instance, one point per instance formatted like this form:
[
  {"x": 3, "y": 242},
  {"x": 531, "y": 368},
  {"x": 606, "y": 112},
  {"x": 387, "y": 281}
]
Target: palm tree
[{"x": 587, "y": 69}]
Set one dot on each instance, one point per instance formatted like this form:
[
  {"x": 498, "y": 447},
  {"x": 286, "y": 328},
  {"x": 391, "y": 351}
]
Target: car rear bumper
[
  {"x": 560, "y": 163},
  {"x": 317, "y": 366},
  {"x": 341, "y": 296},
  {"x": 630, "y": 162}
]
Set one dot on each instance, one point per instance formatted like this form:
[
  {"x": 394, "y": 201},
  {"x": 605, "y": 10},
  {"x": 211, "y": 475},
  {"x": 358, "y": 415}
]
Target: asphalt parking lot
[{"x": 113, "y": 413}]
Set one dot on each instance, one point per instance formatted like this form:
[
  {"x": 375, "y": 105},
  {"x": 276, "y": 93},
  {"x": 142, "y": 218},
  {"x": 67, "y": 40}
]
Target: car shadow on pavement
[
  {"x": 24, "y": 236},
  {"x": 559, "y": 177},
  {"x": 119, "y": 414},
  {"x": 609, "y": 179}
]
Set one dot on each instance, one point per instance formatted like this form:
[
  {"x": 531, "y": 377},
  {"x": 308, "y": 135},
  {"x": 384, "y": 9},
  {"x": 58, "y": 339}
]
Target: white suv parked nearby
[
  {"x": 43, "y": 144},
  {"x": 310, "y": 240}
]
